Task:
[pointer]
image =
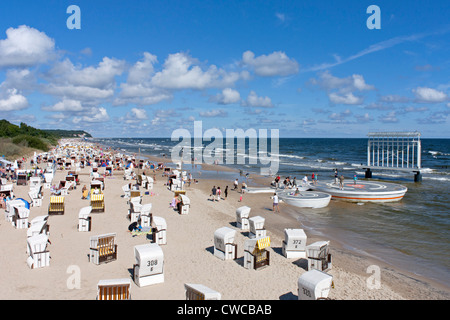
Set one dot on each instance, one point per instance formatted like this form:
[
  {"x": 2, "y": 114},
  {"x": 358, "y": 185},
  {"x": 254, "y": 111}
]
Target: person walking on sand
[
  {"x": 213, "y": 193},
  {"x": 275, "y": 203},
  {"x": 219, "y": 193},
  {"x": 236, "y": 183}
]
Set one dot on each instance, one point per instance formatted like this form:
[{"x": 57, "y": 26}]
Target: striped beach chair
[
  {"x": 114, "y": 289},
  {"x": 56, "y": 205},
  {"x": 97, "y": 202},
  {"x": 256, "y": 254}
]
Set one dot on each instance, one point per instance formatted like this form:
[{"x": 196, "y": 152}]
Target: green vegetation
[
  {"x": 68, "y": 133},
  {"x": 16, "y": 141}
]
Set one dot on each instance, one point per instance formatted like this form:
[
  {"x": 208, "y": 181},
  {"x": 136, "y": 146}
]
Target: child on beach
[{"x": 275, "y": 203}]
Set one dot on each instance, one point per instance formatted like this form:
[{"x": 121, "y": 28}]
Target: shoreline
[
  {"x": 396, "y": 275},
  {"x": 188, "y": 254}
]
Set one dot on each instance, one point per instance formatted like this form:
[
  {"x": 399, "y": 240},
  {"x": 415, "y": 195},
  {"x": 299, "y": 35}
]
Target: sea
[{"x": 412, "y": 234}]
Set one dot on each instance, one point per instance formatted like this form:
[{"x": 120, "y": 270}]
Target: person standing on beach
[
  {"x": 341, "y": 182},
  {"x": 236, "y": 183},
  {"x": 213, "y": 193},
  {"x": 335, "y": 176},
  {"x": 354, "y": 179},
  {"x": 275, "y": 203}
]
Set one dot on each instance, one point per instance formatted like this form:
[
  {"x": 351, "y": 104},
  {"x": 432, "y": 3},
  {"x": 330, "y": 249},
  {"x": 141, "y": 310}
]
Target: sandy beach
[{"x": 188, "y": 254}]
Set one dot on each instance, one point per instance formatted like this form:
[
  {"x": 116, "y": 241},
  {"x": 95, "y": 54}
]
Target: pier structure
[{"x": 394, "y": 151}]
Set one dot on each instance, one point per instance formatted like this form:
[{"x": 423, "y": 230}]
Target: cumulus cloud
[
  {"x": 24, "y": 47},
  {"x": 340, "y": 90},
  {"x": 94, "y": 115},
  {"x": 13, "y": 101},
  {"x": 65, "y": 105},
  {"x": 89, "y": 84},
  {"x": 347, "y": 98},
  {"x": 181, "y": 71},
  {"x": 228, "y": 96},
  {"x": 142, "y": 70},
  {"x": 274, "y": 64},
  {"x": 253, "y": 100},
  {"x": 429, "y": 95},
  {"x": 351, "y": 83}
]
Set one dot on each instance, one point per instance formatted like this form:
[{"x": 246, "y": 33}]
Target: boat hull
[
  {"x": 305, "y": 199},
  {"x": 364, "y": 191}
]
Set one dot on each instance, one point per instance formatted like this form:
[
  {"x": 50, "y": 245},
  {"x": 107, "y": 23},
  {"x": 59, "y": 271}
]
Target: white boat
[
  {"x": 305, "y": 199},
  {"x": 272, "y": 189},
  {"x": 363, "y": 191}
]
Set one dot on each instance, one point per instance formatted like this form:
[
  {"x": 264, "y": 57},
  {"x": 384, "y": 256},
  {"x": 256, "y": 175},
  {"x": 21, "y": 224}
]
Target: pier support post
[
  {"x": 418, "y": 177},
  {"x": 368, "y": 174}
]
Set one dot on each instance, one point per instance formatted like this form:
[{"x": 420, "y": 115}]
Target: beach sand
[{"x": 188, "y": 254}]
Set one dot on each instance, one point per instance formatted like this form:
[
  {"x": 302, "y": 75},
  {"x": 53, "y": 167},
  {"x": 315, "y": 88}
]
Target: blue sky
[{"x": 307, "y": 68}]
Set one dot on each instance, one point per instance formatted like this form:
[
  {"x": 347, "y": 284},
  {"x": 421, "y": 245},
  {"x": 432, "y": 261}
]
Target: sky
[{"x": 307, "y": 68}]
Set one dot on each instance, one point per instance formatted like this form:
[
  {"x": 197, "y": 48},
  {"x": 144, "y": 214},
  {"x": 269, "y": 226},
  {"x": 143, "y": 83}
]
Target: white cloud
[
  {"x": 183, "y": 72},
  {"x": 390, "y": 117},
  {"x": 142, "y": 70},
  {"x": 274, "y": 64},
  {"x": 351, "y": 83},
  {"x": 340, "y": 90},
  {"x": 254, "y": 101},
  {"x": 213, "y": 113},
  {"x": 25, "y": 47},
  {"x": 100, "y": 77},
  {"x": 65, "y": 105},
  {"x": 347, "y": 98},
  {"x": 227, "y": 96},
  {"x": 14, "y": 101},
  {"x": 94, "y": 115},
  {"x": 280, "y": 16},
  {"x": 139, "y": 114},
  {"x": 429, "y": 95}
]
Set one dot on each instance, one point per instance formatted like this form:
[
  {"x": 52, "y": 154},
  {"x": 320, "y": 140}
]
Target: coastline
[
  {"x": 188, "y": 254},
  {"x": 350, "y": 259}
]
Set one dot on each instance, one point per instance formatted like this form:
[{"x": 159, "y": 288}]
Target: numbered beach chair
[
  {"x": 56, "y": 205},
  {"x": 149, "y": 266},
  {"x": 318, "y": 256},
  {"x": 257, "y": 229},
  {"x": 242, "y": 215},
  {"x": 103, "y": 248},
  {"x": 114, "y": 289},
  {"x": 200, "y": 292},
  {"x": 314, "y": 285},
  {"x": 39, "y": 256},
  {"x": 159, "y": 231},
  {"x": 294, "y": 244},
  {"x": 224, "y": 246},
  {"x": 84, "y": 219},
  {"x": 256, "y": 254}
]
